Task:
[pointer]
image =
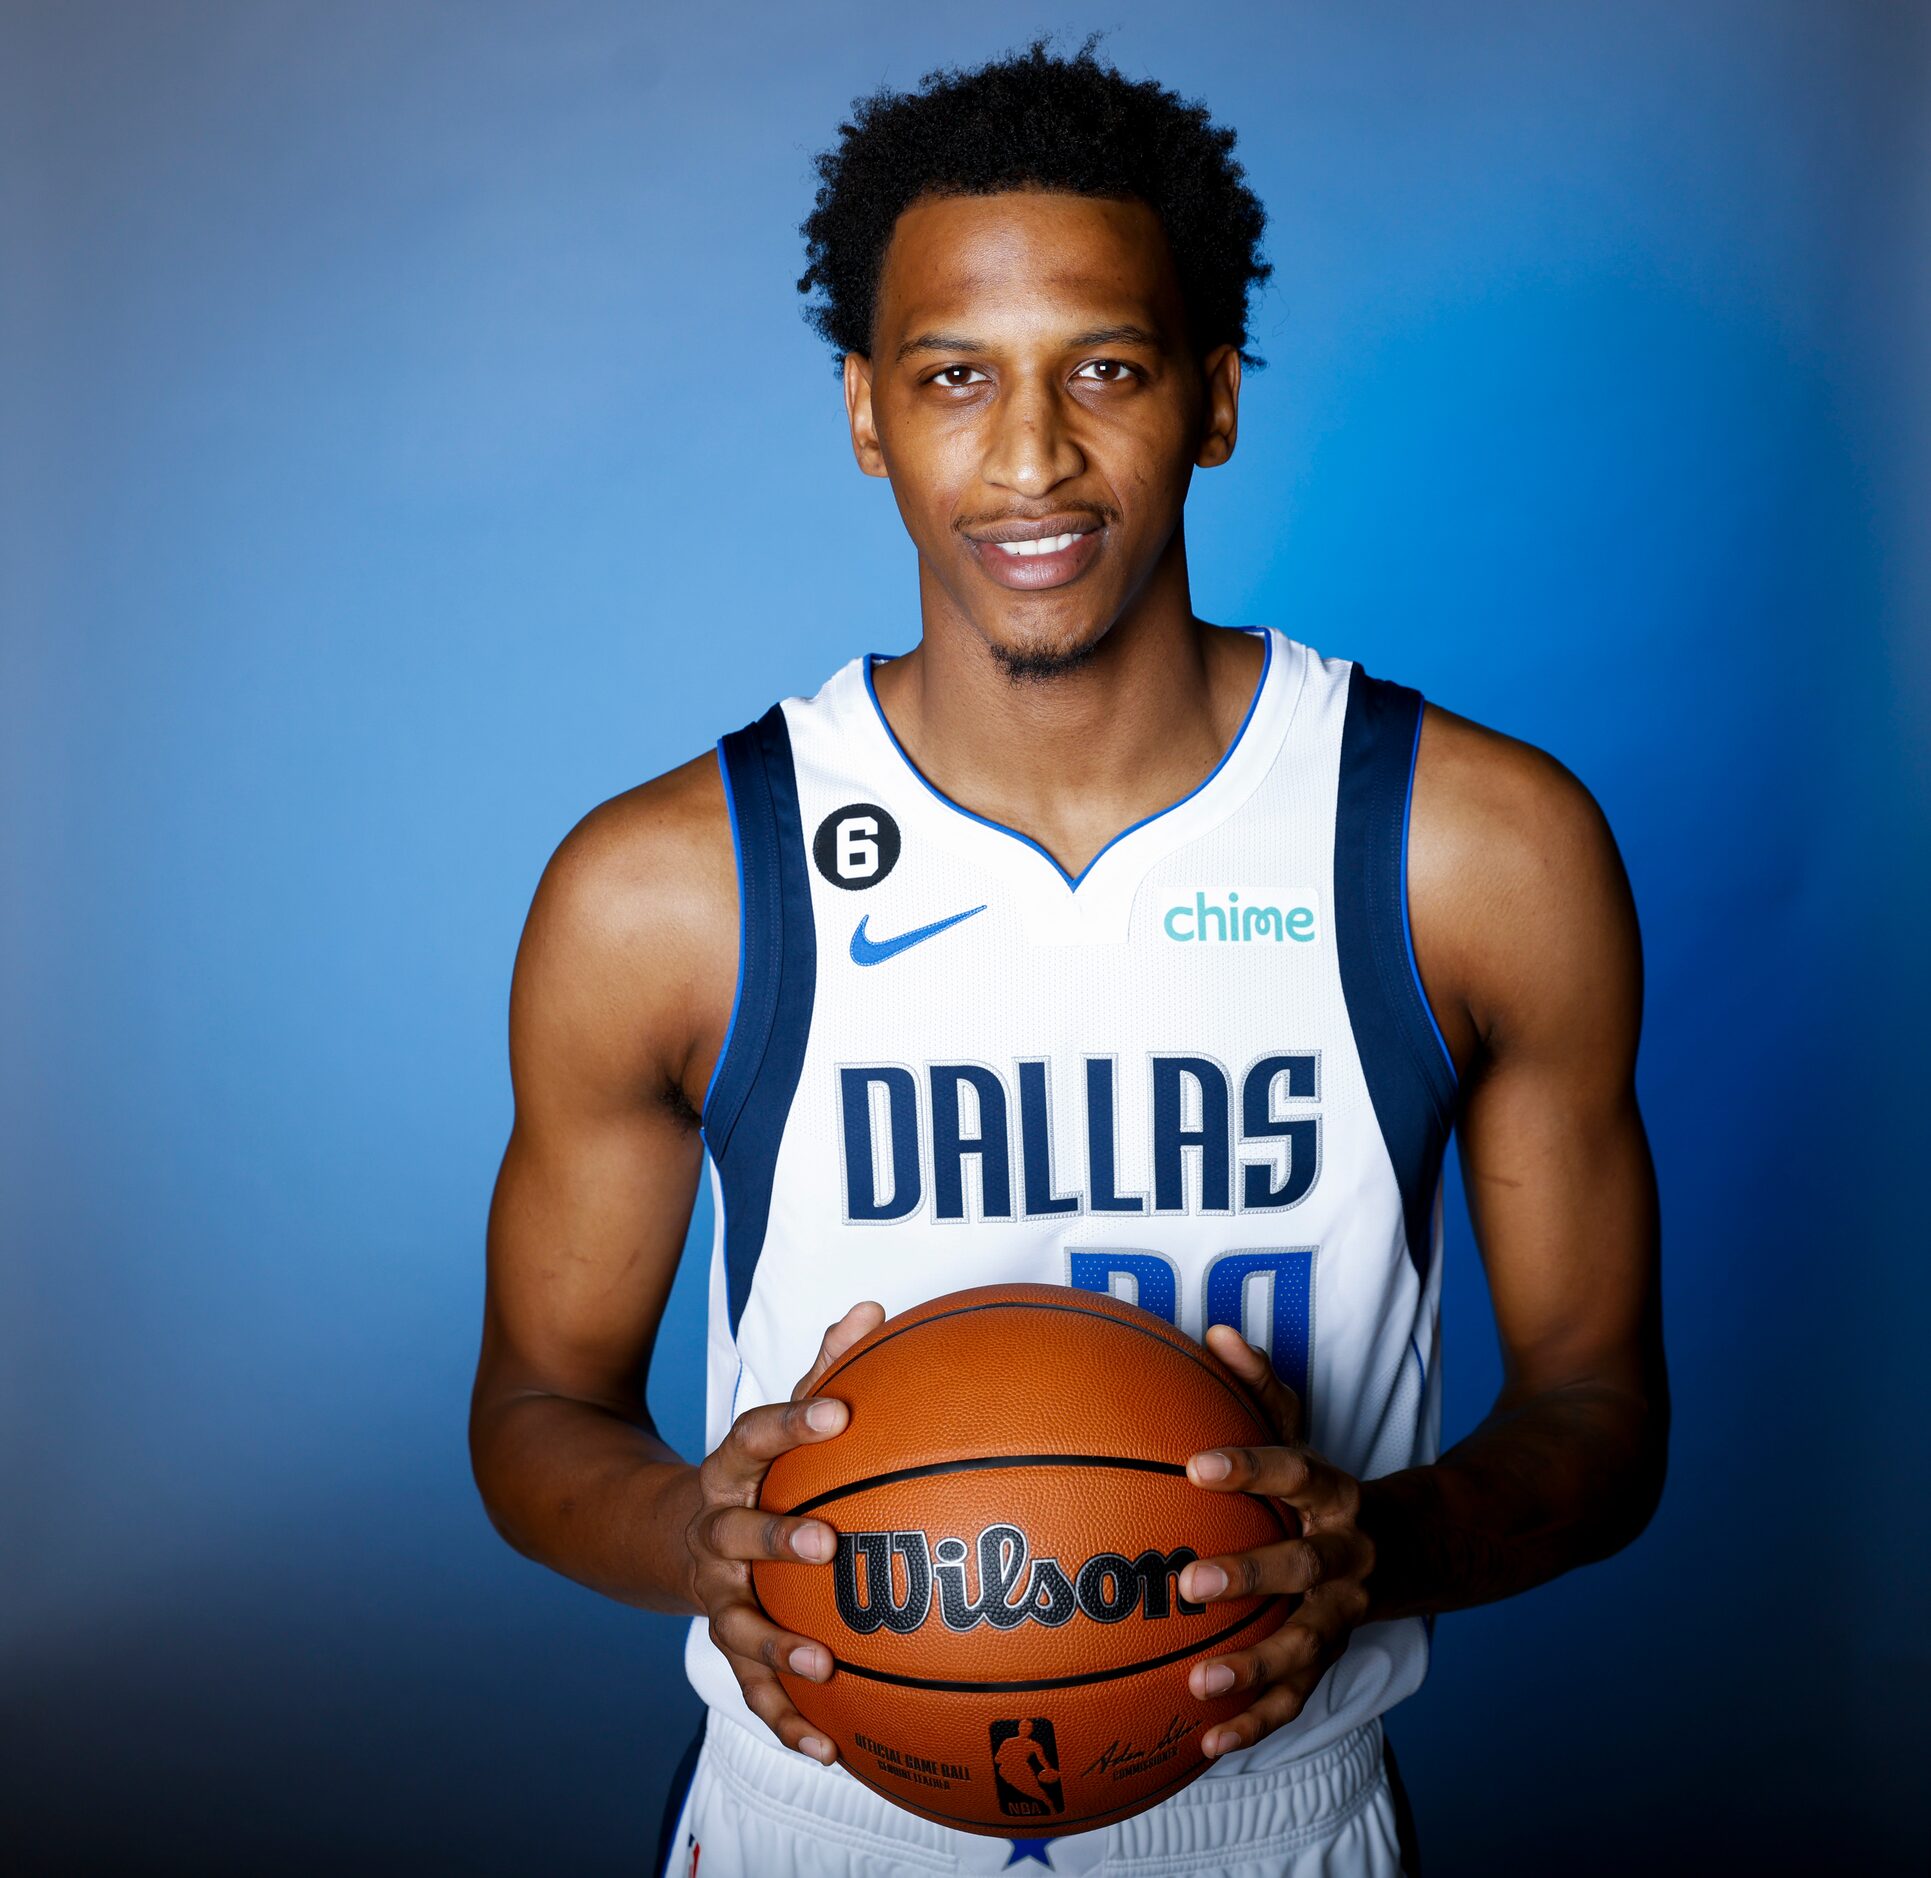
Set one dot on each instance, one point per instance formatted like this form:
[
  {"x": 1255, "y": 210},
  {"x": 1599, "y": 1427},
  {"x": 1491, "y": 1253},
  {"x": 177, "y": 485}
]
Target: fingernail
[
  {"x": 1205, "y": 1581},
  {"x": 804, "y": 1661},
  {"x": 1211, "y": 1467},
  {"x": 814, "y": 1543},
  {"x": 1216, "y": 1679},
  {"x": 825, "y": 1416},
  {"x": 814, "y": 1745},
  {"x": 1216, "y": 1743}
]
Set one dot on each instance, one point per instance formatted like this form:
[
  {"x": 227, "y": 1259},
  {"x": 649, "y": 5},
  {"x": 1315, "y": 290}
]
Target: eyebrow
[{"x": 1123, "y": 334}]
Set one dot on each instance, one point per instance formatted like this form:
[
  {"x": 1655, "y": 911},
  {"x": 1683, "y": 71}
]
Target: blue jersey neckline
[{"x": 985, "y": 821}]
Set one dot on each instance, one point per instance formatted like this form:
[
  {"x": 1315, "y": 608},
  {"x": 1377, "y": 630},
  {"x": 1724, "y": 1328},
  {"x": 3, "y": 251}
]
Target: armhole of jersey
[
  {"x": 712, "y": 1114},
  {"x": 1407, "y": 926},
  {"x": 757, "y": 1070},
  {"x": 1410, "y": 1075}
]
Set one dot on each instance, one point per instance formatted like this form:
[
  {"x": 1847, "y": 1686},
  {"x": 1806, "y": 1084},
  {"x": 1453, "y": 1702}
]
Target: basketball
[{"x": 1013, "y": 1514}]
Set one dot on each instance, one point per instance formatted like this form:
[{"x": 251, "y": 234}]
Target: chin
[{"x": 1036, "y": 657}]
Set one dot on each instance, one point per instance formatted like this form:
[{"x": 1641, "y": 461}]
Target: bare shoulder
[
  {"x": 1501, "y": 811},
  {"x": 611, "y": 871},
  {"x": 1519, "y": 901},
  {"x": 628, "y": 960}
]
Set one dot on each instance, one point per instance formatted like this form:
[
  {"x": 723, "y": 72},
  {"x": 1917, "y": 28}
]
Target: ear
[
  {"x": 1221, "y": 417},
  {"x": 858, "y": 413}
]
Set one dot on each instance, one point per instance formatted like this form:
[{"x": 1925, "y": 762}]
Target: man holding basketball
[{"x": 1089, "y": 944}]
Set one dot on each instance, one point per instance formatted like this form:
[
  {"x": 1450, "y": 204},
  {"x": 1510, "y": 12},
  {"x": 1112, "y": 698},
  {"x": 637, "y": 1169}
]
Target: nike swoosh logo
[{"x": 876, "y": 951}]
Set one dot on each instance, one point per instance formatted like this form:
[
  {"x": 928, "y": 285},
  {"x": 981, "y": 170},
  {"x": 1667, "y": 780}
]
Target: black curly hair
[{"x": 1033, "y": 119}]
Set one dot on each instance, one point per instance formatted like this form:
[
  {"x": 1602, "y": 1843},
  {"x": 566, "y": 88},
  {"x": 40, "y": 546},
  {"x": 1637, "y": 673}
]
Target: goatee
[{"x": 1035, "y": 664}]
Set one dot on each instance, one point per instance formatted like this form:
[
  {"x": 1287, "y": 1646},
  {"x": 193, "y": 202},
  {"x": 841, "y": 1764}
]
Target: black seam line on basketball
[
  {"x": 1057, "y": 1682},
  {"x": 982, "y": 1463},
  {"x": 1060, "y": 1822},
  {"x": 979, "y": 1464},
  {"x": 1076, "y": 1310}
]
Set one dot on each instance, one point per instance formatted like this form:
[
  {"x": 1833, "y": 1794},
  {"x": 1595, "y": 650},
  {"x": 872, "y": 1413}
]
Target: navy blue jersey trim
[
  {"x": 1411, "y": 1079},
  {"x": 737, "y": 990},
  {"x": 764, "y": 1050},
  {"x": 1407, "y": 928}
]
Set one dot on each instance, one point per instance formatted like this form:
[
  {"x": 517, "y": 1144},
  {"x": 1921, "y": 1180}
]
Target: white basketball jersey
[{"x": 1200, "y": 1075}]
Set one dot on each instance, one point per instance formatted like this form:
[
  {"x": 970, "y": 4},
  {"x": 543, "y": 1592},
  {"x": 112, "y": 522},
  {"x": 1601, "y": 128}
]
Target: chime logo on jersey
[
  {"x": 1234, "y": 920},
  {"x": 891, "y": 1580},
  {"x": 1220, "y": 1144}
]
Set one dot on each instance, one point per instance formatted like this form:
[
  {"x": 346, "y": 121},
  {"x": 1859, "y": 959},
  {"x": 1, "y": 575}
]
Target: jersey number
[
  {"x": 1268, "y": 1296},
  {"x": 857, "y": 848}
]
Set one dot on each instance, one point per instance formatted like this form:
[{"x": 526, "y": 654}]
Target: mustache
[{"x": 1103, "y": 515}]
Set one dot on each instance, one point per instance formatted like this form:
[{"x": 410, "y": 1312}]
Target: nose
[{"x": 1031, "y": 450}]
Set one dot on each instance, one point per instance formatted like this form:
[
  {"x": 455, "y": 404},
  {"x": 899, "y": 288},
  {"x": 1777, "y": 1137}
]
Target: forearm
[
  {"x": 590, "y": 1494},
  {"x": 1546, "y": 1482}
]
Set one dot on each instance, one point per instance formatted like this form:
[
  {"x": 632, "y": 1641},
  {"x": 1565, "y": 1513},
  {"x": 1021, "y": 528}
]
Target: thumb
[
  {"x": 1254, "y": 1368},
  {"x": 860, "y": 1321}
]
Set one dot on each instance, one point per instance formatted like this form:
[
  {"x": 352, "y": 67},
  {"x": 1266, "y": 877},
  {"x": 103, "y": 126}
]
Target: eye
[
  {"x": 1118, "y": 368},
  {"x": 944, "y": 376}
]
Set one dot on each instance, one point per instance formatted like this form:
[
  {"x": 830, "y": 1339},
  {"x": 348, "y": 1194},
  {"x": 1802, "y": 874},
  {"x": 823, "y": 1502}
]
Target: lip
[{"x": 1028, "y": 573}]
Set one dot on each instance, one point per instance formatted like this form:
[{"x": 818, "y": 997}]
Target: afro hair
[{"x": 1030, "y": 119}]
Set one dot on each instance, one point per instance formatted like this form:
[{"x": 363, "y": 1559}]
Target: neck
[{"x": 1073, "y": 758}]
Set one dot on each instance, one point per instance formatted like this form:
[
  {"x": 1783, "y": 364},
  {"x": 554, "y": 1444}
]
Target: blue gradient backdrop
[{"x": 409, "y": 438}]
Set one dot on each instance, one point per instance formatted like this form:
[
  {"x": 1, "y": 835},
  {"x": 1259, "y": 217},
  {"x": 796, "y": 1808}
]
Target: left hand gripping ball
[{"x": 1013, "y": 1515}]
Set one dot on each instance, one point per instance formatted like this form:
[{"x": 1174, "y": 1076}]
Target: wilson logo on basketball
[{"x": 891, "y": 1580}]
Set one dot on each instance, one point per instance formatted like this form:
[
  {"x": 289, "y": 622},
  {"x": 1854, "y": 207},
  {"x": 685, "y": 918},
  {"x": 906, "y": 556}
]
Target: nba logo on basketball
[{"x": 1025, "y": 1769}]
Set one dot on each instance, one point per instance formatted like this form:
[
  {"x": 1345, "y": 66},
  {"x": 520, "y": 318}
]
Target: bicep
[
  {"x": 610, "y": 1008},
  {"x": 1557, "y": 1170},
  {"x": 586, "y": 1227},
  {"x": 1562, "y": 1197}
]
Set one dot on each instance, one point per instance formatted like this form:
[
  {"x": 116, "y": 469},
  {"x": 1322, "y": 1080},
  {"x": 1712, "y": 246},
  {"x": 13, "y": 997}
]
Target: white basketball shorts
[{"x": 755, "y": 1809}]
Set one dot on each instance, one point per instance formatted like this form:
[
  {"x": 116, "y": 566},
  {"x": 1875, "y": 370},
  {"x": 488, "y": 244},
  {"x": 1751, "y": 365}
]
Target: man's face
[{"x": 1031, "y": 378}]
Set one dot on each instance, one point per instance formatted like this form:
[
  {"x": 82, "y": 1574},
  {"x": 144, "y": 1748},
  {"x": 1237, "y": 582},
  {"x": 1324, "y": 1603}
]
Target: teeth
[{"x": 1051, "y": 545}]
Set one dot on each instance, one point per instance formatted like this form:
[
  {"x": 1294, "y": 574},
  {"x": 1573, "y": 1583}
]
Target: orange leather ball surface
[{"x": 1013, "y": 1514}]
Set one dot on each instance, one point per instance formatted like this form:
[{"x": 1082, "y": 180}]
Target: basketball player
[{"x": 1085, "y": 943}]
